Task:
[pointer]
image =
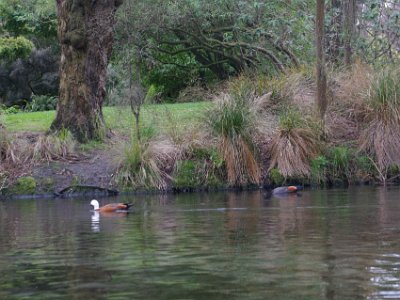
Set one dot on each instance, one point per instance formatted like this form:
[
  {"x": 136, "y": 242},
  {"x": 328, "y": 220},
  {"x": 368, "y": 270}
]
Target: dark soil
[{"x": 95, "y": 169}]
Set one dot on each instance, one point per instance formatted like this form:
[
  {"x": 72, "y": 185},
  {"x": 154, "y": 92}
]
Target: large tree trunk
[
  {"x": 85, "y": 30},
  {"x": 321, "y": 70},
  {"x": 348, "y": 29},
  {"x": 334, "y": 32}
]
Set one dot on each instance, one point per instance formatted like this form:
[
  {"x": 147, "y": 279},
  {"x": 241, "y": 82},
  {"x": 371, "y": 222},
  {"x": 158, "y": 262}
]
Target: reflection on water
[
  {"x": 95, "y": 221},
  {"x": 335, "y": 244}
]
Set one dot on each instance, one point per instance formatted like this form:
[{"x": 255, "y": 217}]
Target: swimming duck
[
  {"x": 286, "y": 189},
  {"x": 111, "y": 207}
]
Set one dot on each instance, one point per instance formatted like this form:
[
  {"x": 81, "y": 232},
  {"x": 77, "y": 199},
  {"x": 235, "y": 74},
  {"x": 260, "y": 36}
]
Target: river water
[{"x": 322, "y": 244}]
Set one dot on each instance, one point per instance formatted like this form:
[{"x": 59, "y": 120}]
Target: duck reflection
[
  {"x": 95, "y": 221},
  {"x": 109, "y": 225}
]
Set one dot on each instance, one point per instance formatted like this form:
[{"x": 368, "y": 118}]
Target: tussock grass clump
[
  {"x": 350, "y": 89},
  {"x": 293, "y": 88},
  {"x": 60, "y": 146},
  {"x": 12, "y": 151},
  {"x": 14, "y": 158},
  {"x": 348, "y": 104},
  {"x": 234, "y": 122},
  {"x": 143, "y": 163},
  {"x": 23, "y": 152},
  {"x": 4, "y": 144},
  {"x": 381, "y": 138},
  {"x": 293, "y": 146}
]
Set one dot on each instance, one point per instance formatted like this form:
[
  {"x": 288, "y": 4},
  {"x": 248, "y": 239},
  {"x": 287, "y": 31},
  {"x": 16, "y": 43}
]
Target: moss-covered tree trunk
[{"x": 85, "y": 31}]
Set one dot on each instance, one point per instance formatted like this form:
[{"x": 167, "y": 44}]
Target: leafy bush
[
  {"x": 42, "y": 103},
  {"x": 152, "y": 95},
  {"x": 12, "y": 48},
  {"x": 341, "y": 165},
  {"x": 24, "y": 186},
  {"x": 10, "y": 110}
]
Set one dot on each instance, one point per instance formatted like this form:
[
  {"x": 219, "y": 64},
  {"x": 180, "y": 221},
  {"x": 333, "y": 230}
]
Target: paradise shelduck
[
  {"x": 111, "y": 207},
  {"x": 286, "y": 189},
  {"x": 282, "y": 191}
]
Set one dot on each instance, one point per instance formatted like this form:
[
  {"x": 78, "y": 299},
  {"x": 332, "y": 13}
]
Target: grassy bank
[{"x": 258, "y": 131}]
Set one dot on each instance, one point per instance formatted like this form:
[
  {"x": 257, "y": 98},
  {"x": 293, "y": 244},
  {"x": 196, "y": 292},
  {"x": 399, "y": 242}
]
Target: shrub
[
  {"x": 152, "y": 95},
  {"x": 24, "y": 186},
  {"x": 42, "y": 103},
  {"x": 3, "y": 181},
  {"x": 10, "y": 110},
  {"x": 12, "y": 48}
]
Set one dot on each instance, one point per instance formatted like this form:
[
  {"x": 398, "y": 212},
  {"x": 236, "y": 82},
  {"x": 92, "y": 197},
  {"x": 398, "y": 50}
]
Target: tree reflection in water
[{"x": 329, "y": 244}]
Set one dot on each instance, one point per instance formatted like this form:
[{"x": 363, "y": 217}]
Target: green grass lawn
[{"x": 120, "y": 119}]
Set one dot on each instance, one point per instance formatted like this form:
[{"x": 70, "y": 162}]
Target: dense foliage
[
  {"x": 28, "y": 50},
  {"x": 178, "y": 44},
  {"x": 187, "y": 42},
  {"x": 14, "y": 48}
]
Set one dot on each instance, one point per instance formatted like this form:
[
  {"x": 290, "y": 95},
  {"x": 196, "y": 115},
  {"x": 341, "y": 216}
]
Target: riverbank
[{"x": 256, "y": 132}]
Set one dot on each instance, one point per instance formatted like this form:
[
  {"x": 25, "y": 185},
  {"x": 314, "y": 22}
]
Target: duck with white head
[{"x": 111, "y": 207}]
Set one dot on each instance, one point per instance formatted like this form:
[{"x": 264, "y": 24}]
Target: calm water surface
[{"x": 331, "y": 244}]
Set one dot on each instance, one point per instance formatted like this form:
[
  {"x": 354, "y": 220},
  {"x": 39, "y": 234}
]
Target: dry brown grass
[
  {"x": 13, "y": 150},
  {"x": 293, "y": 146},
  {"x": 350, "y": 90},
  {"x": 54, "y": 147},
  {"x": 193, "y": 93},
  {"x": 240, "y": 162},
  {"x": 340, "y": 128},
  {"x": 380, "y": 138},
  {"x": 144, "y": 164},
  {"x": 348, "y": 103},
  {"x": 14, "y": 158},
  {"x": 291, "y": 152},
  {"x": 234, "y": 122},
  {"x": 19, "y": 153}
]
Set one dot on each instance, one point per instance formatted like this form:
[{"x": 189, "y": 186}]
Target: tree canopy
[{"x": 178, "y": 44}]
